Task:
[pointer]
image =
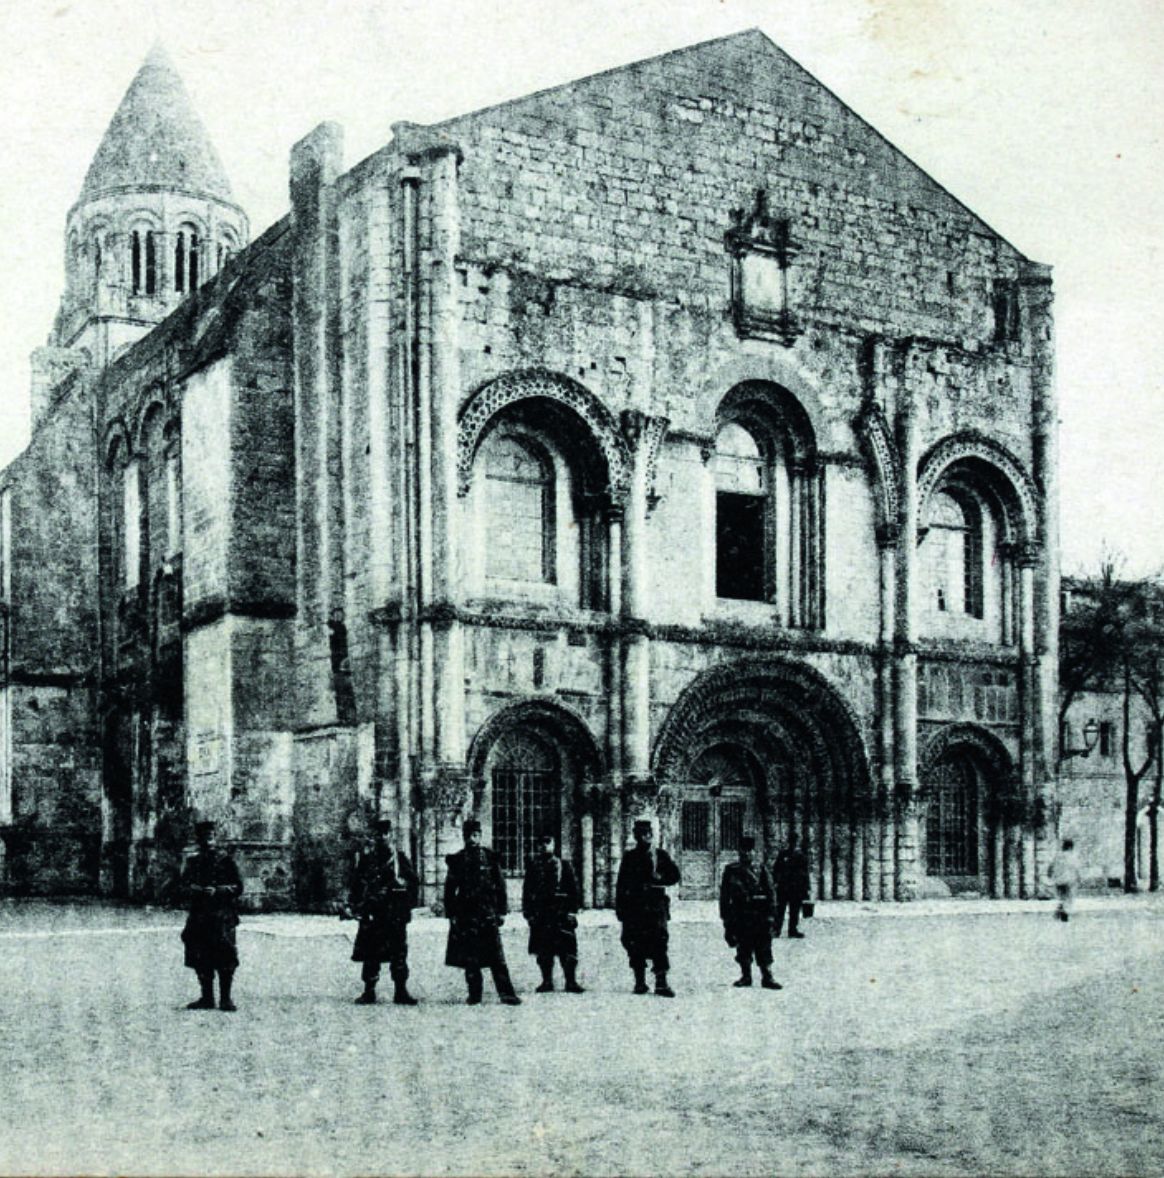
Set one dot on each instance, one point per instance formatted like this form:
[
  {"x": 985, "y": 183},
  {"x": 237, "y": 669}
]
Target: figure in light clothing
[{"x": 1064, "y": 874}]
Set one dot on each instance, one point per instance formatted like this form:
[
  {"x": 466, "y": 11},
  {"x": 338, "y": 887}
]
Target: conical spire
[{"x": 156, "y": 140}]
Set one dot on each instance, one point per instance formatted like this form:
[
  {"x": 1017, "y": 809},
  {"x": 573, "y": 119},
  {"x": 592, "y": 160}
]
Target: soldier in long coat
[
  {"x": 790, "y": 874},
  {"x": 747, "y": 908},
  {"x": 644, "y": 908},
  {"x": 213, "y": 886},
  {"x": 384, "y": 891},
  {"x": 476, "y": 905},
  {"x": 549, "y": 899}
]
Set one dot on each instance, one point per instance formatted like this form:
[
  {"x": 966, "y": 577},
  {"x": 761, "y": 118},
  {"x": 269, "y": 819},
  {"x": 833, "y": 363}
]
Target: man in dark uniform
[
  {"x": 383, "y": 894},
  {"x": 475, "y": 904},
  {"x": 549, "y": 899},
  {"x": 747, "y": 907},
  {"x": 642, "y": 904},
  {"x": 211, "y": 882},
  {"x": 790, "y": 872}
]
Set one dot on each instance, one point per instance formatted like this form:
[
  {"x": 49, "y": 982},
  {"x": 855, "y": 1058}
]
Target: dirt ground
[{"x": 935, "y": 1044}]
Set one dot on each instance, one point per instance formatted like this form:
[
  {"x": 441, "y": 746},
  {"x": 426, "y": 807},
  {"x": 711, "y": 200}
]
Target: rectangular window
[
  {"x": 517, "y": 549},
  {"x": 972, "y": 571},
  {"x": 731, "y": 825},
  {"x": 696, "y": 820},
  {"x": 739, "y": 546},
  {"x": 6, "y": 544},
  {"x": 5, "y": 755},
  {"x": 173, "y": 507},
  {"x": 525, "y": 803},
  {"x": 131, "y": 521},
  {"x": 1106, "y": 739}
]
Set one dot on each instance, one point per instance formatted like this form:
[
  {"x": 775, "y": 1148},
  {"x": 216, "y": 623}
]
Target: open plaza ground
[{"x": 955, "y": 1038}]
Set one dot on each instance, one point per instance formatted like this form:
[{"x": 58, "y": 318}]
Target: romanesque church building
[{"x": 663, "y": 444}]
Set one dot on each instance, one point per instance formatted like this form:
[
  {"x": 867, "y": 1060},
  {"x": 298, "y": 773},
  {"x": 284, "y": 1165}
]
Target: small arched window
[
  {"x": 143, "y": 261},
  {"x": 520, "y": 510},
  {"x": 743, "y": 520},
  {"x": 226, "y": 249}
]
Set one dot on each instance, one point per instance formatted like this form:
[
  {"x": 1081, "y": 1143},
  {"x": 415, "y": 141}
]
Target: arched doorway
[
  {"x": 718, "y": 807},
  {"x": 969, "y": 785},
  {"x": 766, "y": 747},
  {"x": 531, "y": 766}
]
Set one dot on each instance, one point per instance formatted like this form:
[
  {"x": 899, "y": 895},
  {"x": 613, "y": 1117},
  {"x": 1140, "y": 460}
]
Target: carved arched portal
[{"x": 766, "y": 747}]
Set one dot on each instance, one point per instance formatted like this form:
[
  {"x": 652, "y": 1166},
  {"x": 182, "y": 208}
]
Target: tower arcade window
[
  {"x": 143, "y": 261},
  {"x": 187, "y": 254},
  {"x": 742, "y": 518}
]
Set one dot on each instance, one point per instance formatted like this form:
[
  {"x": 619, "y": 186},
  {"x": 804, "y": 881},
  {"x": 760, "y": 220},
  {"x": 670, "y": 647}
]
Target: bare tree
[{"x": 1113, "y": 641}]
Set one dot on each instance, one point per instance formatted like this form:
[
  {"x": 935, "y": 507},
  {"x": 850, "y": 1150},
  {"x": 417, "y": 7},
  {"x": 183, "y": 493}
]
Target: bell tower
[{"x": 154, "y": 220}]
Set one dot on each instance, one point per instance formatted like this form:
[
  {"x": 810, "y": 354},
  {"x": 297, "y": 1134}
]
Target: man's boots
[
  {"x": 641, "y": 980},
  {"x": 476, "y": 984},
  {"x": 225, "y": 978},
  {"x": 745, "y": 978},
  {"x": 206, "y": 1002},
  {"x": 769, "y": 982},
  {"x": 546, "y": 965},
  {"x": 570, "y": 969},
  {"x": 502, "y": 981},
  {"x": 661, "y": 987},
  {"x": 401, "y": 996}
]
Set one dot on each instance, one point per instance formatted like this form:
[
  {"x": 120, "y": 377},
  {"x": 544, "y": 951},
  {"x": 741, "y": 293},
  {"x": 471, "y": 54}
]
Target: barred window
[
  {"x": 952, "y": 821},
  {"x": 526, "y": 790},
  {"x": 696, "y": 826}
]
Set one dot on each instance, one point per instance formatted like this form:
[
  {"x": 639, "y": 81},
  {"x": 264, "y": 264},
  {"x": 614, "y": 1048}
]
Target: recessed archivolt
[
  {"x": 873, "y": 431},
  {"x": 1002, "y": 773},
  {"x": 564, "y": 727},
  {"x": 1018, "y": 489},
  {"x": 775, "y": 686},
  {"x": 487, "y": 402}
]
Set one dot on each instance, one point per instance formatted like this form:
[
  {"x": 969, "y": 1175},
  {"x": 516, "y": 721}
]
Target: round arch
[
  {"x": 565, "y": 725},
  {"x": 116, "y": 444},
  {"x": 778, "y": 371},
  {"x": 791, "y": 721},
  {"x": 531, "y": 766},
  {"x": 992, "y": 466},
  {"x": 761, "y": 686},
  {"x": 605, "y": 463},
  {"x": 971, "y": 799}
]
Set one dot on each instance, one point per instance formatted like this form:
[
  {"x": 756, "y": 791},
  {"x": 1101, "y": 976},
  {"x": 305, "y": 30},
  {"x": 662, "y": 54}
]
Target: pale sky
[{"x": 1043, "y": 116}]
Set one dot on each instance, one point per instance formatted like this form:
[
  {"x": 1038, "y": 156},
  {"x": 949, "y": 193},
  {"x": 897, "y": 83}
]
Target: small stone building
[{"x": 665, "y": 444}]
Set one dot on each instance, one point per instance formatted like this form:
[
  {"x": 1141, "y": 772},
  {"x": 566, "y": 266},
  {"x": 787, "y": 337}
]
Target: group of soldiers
[{"x": 385, "y": 889}]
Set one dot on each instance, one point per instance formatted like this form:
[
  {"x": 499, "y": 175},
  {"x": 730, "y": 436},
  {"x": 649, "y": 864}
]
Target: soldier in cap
[
  {"x": 212, "y": 884},
  {"x": 384, "y": 891},
  {"x": 747, "y": 909},
  {"x": 475, "y": 904},
  {"x": 549, "y": 899},
  {"x": 643, "y": 906},
  {"x": 790, "y": 873}
]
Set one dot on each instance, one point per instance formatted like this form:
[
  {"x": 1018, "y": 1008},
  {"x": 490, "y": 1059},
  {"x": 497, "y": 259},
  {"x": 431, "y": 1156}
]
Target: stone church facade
[{"x": 662, "y": 444}]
